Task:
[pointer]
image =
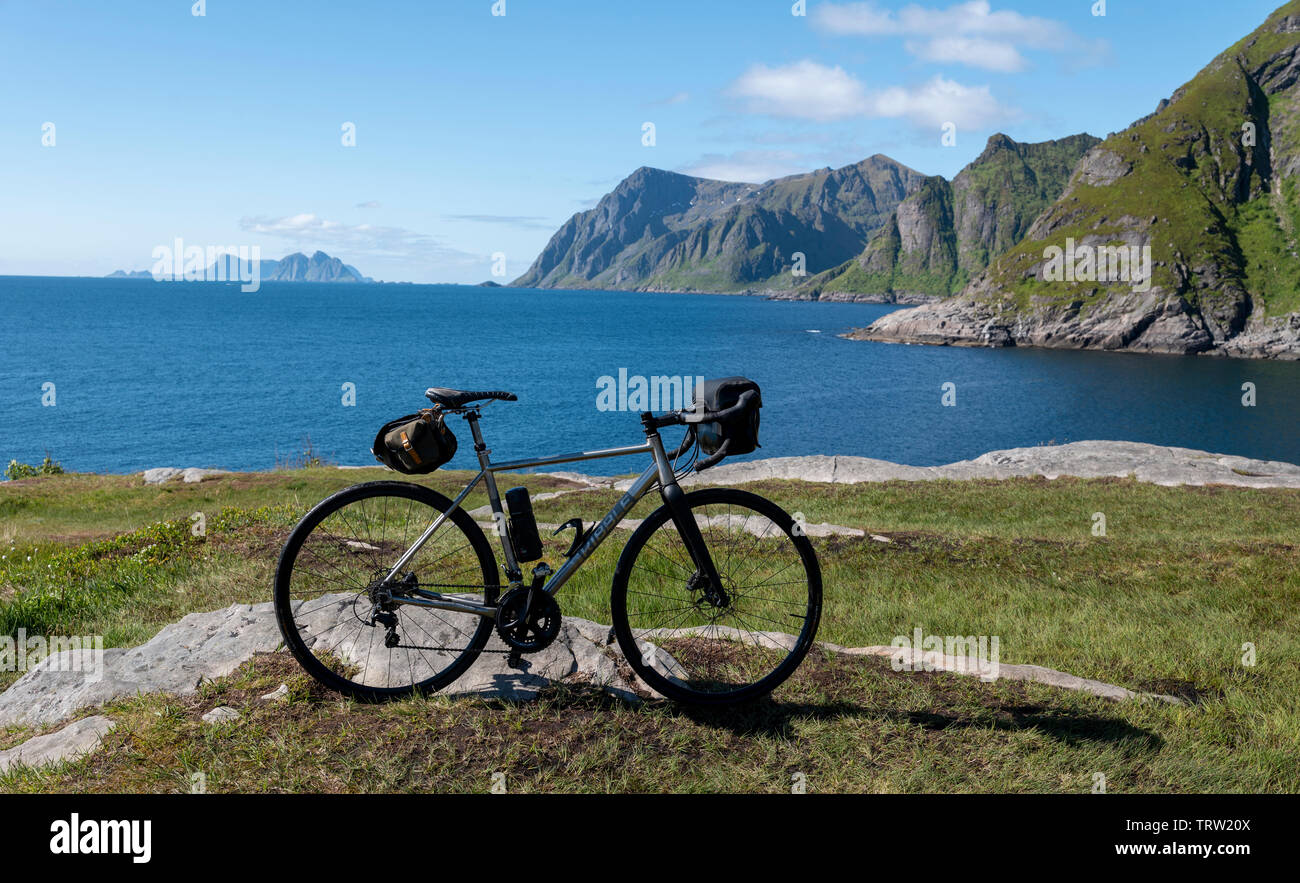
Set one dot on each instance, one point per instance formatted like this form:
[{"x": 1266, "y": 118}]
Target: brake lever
[{"x": 714, "y": 458}]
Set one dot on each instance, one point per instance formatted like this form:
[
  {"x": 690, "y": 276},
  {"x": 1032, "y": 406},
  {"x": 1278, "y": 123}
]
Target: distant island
[{"x": 296, "y": 267}]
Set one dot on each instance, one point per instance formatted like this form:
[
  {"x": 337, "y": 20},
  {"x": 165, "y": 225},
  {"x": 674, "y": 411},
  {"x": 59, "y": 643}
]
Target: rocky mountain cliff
[
  {"x": 1209, "y": 183},
  {"x": 661, "y": 230},
  {"x": 947, "y": 232}
]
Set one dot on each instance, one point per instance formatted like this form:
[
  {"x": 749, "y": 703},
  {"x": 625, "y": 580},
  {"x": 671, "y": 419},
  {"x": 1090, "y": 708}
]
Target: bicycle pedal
[{"x": 516, "y": 660}]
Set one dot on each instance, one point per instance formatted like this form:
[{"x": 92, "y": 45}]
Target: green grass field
[{"x": 1164, "y": 602}]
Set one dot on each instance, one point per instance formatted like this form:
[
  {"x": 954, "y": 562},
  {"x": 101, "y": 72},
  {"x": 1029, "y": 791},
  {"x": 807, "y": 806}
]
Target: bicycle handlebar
[
  {"x": 690, "y": 416},
  {"x": 687, "y": 441}
]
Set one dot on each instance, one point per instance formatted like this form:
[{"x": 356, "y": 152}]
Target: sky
[{"x": 127, "y": 125}]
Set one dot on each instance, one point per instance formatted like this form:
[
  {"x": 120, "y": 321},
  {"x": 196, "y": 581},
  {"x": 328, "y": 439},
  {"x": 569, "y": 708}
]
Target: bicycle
[{"x": 704, "y": 593}]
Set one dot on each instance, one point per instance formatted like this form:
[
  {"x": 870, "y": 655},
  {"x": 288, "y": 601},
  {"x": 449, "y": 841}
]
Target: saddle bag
[
  {"x": 415, "y": 444},
  {"x": 741, "y": 429}
]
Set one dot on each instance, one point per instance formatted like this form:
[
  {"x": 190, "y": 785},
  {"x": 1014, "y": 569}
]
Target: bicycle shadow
[{"x": 772, "y": 718}]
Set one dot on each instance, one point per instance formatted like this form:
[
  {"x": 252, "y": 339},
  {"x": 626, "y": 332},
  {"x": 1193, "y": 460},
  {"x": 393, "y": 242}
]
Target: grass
[{"x": 1165, "y": 602}]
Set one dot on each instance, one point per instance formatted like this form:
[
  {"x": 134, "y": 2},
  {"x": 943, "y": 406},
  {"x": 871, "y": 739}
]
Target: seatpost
[
  {"x": 471, "y": 417},
  {"x": 511, "y": 566}
]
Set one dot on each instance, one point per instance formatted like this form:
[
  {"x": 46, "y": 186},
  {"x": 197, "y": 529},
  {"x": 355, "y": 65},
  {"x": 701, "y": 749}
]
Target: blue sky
[{"x": 478, "y": 134}]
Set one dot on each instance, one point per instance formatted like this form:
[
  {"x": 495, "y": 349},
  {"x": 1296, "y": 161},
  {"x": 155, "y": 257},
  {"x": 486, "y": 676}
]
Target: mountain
[
  {"x": 320, "y": 267},
  {"x": 1209, "y": 183},
  {"x": 661, "y": 230},
  {"x": 296, "y": 267},
  {"x": 945, "y": 232}
]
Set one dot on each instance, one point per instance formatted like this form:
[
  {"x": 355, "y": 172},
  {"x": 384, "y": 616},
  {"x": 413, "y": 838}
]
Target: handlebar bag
[
  {"x": 415, "y": 444},
  {"x": 742, "y": 428}
]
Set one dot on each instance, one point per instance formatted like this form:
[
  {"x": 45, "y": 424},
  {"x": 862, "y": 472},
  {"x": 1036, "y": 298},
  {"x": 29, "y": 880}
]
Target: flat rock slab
[
  {"x": 1153, "y": 464},
  {"x": 929, "y": 660},
  {"x": 75, "y": 740},
  {"x": 201, "y": 646},
  {"x": 189, "y": 475},
  {"x": 206, "y": 646}
]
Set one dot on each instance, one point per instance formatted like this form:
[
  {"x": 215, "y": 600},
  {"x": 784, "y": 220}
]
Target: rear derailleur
[{"x": 383, "y": 610}]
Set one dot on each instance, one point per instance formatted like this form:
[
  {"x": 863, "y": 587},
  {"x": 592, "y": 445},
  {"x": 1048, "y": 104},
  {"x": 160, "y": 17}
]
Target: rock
[
  {"x": 917, "y": 660},
  {"x": 75, "y": 740},
  {"x": 210, "y": 645},
  {"x": 222, "y": 714},
  {"x": 1154, "y": 464},
  {"x": 205, "y": 646},
  {"x": 199, "y": 647},
  {"x": 279, "y": 694},
  {"x": 190, "y": 475},
  {"x": 160, "y": 475}
]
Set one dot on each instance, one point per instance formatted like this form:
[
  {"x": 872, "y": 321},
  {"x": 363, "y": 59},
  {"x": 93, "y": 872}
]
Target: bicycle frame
[{"x": 660, "y": 472}]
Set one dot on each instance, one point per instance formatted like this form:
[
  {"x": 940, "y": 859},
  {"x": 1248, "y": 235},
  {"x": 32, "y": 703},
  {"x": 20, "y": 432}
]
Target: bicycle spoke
[
  {"x": 716, "y": 643},
  {"x": 343, "y": 605}
]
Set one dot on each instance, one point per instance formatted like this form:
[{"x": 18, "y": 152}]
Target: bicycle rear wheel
[
  {"x": 693, "y": 645},
  {"x": 340, "y": 619}
]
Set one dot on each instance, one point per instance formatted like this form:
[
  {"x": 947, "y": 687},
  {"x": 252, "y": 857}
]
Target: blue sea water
[{"x": 199, "y": 374}]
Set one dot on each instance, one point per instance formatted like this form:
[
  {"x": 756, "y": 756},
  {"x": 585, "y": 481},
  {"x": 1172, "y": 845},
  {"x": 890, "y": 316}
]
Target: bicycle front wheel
[{"x": 695, "y": 645}]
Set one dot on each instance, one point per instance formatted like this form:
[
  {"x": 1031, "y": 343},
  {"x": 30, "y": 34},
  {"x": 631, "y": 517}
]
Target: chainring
[{"x": 534, "y": 629}]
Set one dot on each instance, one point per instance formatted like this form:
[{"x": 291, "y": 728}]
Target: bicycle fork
[{"x": 675, "y": 499}]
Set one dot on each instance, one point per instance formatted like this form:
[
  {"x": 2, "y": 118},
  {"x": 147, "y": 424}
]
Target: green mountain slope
[
  {"x": 1209, "y": 183},
  {"x": 947, "y": 232}
]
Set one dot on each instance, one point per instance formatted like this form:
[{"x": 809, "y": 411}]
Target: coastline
[
  {"x": 1134, "y": 324},
  {"x": 1147, "y": 463}
]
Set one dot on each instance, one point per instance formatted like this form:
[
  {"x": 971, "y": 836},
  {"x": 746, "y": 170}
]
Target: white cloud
[
  {"x": 749, "y": 166},
  {"x": 970, "y": 33},
  {"x": 974, "y": 51},
  {"x": 943, "y": 101},
  {"x": 803, "y": 90},
  {"x": 351, "y": 242},
  {"x": 532, "y": 222},
  {"x": 811, "y": 91}
]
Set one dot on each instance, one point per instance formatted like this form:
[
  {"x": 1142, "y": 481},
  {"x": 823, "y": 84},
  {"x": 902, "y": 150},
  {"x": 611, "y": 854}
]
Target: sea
[{"x": 121, "y": 375}]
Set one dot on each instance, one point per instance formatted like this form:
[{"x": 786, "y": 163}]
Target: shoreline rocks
[
  {"x": 1150, "y": 322},
  {"x": 1152, "y": 464}
]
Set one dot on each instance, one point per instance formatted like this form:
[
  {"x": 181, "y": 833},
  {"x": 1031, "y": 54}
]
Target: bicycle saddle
[{"x": 459, "y": 398}]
